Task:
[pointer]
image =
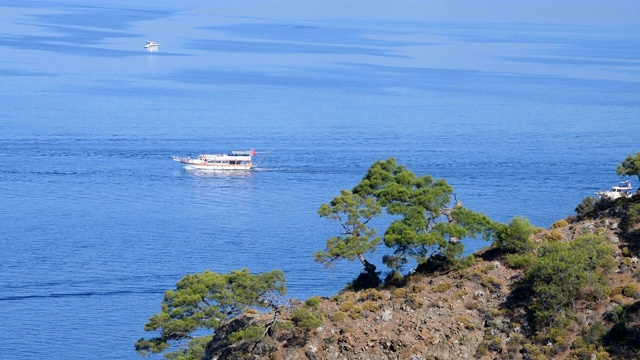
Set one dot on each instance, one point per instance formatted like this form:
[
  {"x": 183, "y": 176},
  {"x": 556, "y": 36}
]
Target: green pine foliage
[
  {"x": 195, "y": 349},
  {"x": 515, "y": 237},
  {"x": 205, "y": 301},
  {"x": 630, "y": 166},
  {"x": 587, "y": 208},
  {"x": 305, "y": 319},
  {"x": 633, "y": 215},
  {"x": 565, "y": 272},
  {"x": 313, "y": 302},
  {"x": 425, "y": 226},
  {"x": 249, "y": 334},
  {"x": 353, "y": 212},
  {"x": 520, "y": 261}
]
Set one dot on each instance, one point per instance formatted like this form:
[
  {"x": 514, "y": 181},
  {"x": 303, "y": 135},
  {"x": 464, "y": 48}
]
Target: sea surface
[{"x": 525, "y": 109}]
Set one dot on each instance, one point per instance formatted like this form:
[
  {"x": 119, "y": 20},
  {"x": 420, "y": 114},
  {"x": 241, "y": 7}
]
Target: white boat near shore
[
  {"x": 234, "y": 160},
  {"x": 617, "y": 191}
]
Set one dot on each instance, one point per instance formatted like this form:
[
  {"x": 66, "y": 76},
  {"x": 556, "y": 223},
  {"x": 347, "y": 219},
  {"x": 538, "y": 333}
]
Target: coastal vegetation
[
  {"x": 569, "y": 291},
  {"x": 630, "y": 166},
  {"x": 206, "y": 301},
  {"x": 353, "y": 212},
  {"x": 425, "y": 226}
]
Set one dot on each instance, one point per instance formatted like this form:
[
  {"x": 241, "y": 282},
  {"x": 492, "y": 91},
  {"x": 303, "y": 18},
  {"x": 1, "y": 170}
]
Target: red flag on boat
[{"x": 253, "y": 152}]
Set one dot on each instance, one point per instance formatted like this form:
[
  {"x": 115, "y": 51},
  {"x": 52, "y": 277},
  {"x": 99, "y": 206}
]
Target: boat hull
[
  {"x": 612, "y": 195},
  {"x": 217, "y": 167}
]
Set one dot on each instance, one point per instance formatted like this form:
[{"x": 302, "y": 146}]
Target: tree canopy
[
  {"x": 206, "y": 301},
  {"x": 425, "y": 223},
  {"x": 630, "y": 166},
  {"x": 357, "y": 238}
]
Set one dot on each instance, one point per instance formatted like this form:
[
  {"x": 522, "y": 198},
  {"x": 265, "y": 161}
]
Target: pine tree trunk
[{"x": 368, "y": 267}]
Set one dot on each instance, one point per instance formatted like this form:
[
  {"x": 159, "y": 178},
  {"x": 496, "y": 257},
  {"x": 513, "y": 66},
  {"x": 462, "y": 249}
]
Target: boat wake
[
  {"x": 270, "y": 169},
  {"x": 82, "y": 294}
]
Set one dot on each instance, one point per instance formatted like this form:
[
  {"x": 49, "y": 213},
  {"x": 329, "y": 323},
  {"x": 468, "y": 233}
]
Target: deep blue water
[{"x": 525, "y": 111}]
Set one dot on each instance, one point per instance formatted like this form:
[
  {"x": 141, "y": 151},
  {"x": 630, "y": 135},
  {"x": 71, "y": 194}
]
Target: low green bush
[
  {"x": 559, "y": 224},
  {"x": 249, "y": 334},
  {"x": 371, "y": 294},
  {"x": 626, "y": 252},
  {"x": 633, "y": 215},
  {"x": 346, "y": 306},
  {"x": 515, "y": 237},
  {"x": 520, "y": 261},
  {"x": 618, "y": 299},
  {"x": 491, "y": 283},
  {"x": 630, "y": 290},
  {"x": 481, "y": 351},
  {"x": 371, "y": 306},
  {"x": 395, "y": 278},
  {"x": 303, "y": 318},
  {"x": 338, "y": 316},
  {"x": 560, "y": 274},
  {"x": 587, "y": 208},
  {"x": 442, "y": 287},
  {"x": 399, "y": 293},
  {"x": 460, "y": 294},
  {"x": 284, "y": 326},
  {"x": 554, "y": 236},
  {"x": 313, "y": 302},
  {"x": 356, "y": 312}
]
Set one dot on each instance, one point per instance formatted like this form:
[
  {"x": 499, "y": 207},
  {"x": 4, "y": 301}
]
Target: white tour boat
[
  {"x": 234, "y": 160},
  {"x": 151, "y": 45},
  {"x": 617, "y": 191}
]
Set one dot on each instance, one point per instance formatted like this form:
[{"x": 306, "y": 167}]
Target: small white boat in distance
[
  {"x": 151, "y": 45},
  {"x": 234, "y": 160},
  {"x": 617, "y": 191}
]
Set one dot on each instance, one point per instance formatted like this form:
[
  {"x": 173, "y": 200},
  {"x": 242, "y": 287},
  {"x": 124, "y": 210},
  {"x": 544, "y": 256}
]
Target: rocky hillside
[{"x": 474, "y": 313}]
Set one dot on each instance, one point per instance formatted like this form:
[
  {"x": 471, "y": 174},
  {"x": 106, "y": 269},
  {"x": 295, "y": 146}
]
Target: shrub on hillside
[
  {"x": 347, "y": 306},
  {"x": 442, "y": 287},
  {"x": 338, "y": 316},
  {"x": 371, "y": 294},
  {"x": 370, "y": 306},
  {"x": 630, "y": 290},
  {"x": 586, "y": 209},
  {"x": 250, "y": 334},
  {"x": 633, "y": 215},
  {"x": 623, "y": 338},
  {"x": 562, "y": 274},
  {"x": 395, "y": 278},
  {"x": 520, "y": 261},
  {"x": 313, "y": 302},
  {"x": 559, "y": 224},
  {"x": 303, "y": 318},
  {"x": 356, "y": 312},
  {"x": 554, "y": 236},
  {"x": 515, "y": 237},
  {"x": 491, "y": 283}
]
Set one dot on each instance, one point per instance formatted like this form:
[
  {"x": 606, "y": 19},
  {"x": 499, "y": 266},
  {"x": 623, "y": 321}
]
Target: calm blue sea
[{"x": 524, "y": 109}]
